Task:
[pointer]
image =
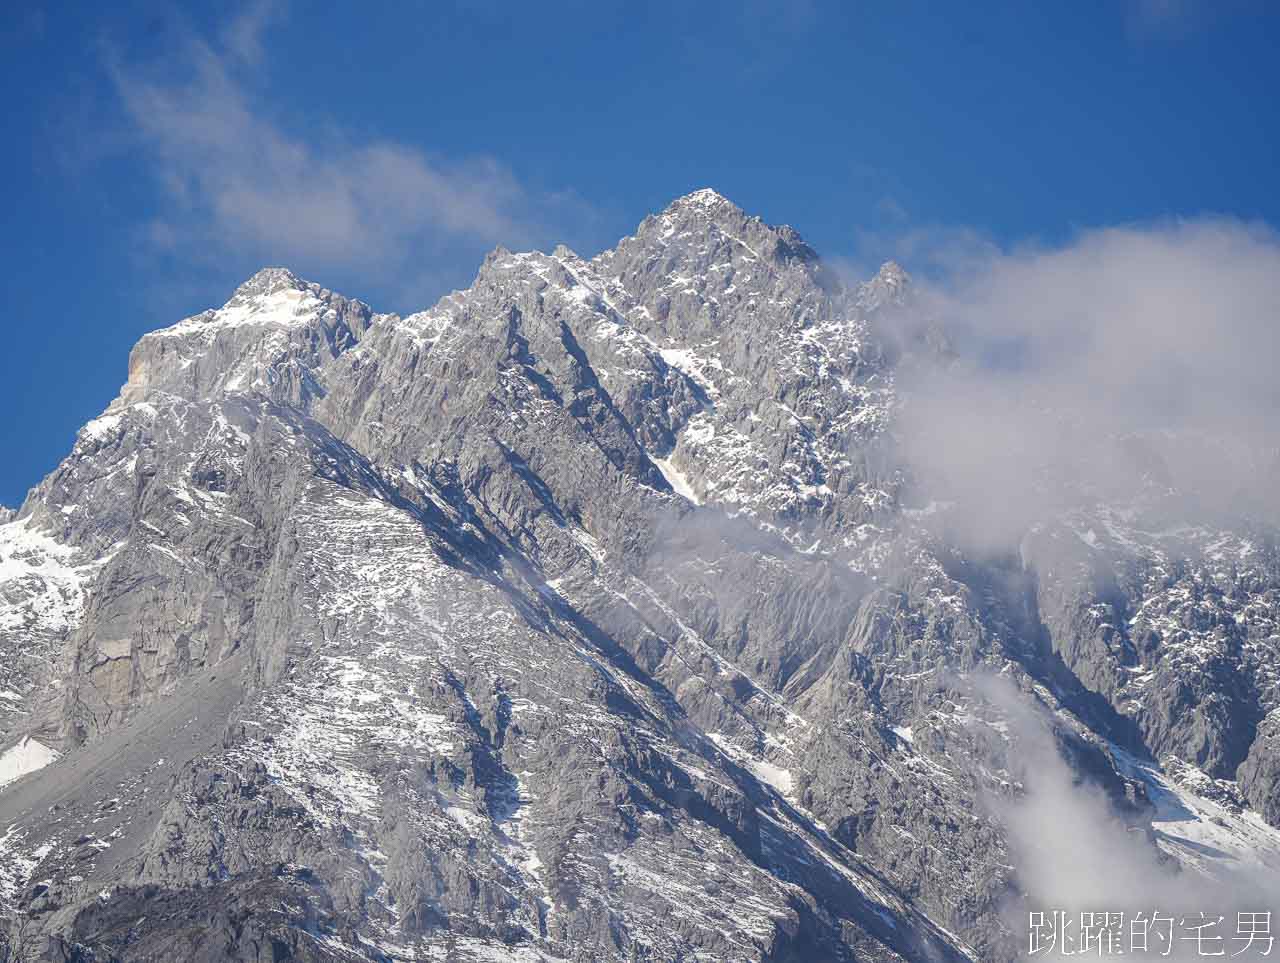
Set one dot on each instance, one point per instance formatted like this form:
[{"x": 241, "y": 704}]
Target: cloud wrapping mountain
[{"x": 619, "y": 609}]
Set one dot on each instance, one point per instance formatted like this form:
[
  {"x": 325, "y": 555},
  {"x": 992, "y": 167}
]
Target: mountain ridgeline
[{"x": 592, "y": 614}]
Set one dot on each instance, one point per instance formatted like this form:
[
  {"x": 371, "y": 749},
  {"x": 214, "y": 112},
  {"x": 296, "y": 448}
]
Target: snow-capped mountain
[{"x": 590, "y": 614}]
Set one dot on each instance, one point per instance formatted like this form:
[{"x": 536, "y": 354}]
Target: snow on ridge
[
  {"x": 107, "y": 424},
  {"x": 704, "y": 197},
  {"x": 287, "y": 307},
  {"x": 102, "y": 427},
  {"x": 48, "y": 588},
  {"x": 1209, "y": 837}
]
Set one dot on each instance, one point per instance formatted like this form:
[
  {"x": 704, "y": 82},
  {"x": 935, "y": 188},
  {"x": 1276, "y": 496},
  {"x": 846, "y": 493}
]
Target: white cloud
[
  {"x": 236, "y": 177},
  {"x": 1169, "y": 332},
  {"x": 1074, "y": 854},
  {"x": 243, "y": 35}
]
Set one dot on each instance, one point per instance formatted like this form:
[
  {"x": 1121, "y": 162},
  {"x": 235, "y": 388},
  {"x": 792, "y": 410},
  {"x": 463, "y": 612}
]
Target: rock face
[
  {"x": 578, "y": 617},
  {"x": 1260, "y": 771}
]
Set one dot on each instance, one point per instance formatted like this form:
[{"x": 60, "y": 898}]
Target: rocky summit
[{"x": 594, "y": 613}]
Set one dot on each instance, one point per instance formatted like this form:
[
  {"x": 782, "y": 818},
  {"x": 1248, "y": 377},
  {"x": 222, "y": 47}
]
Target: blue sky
[{"x": 154, "y": 159}]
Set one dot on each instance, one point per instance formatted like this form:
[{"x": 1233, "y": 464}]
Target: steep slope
[{"x": 582, "y": 616}]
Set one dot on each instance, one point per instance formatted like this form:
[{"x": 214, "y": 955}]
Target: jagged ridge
[{"x": 575, "y": 616}]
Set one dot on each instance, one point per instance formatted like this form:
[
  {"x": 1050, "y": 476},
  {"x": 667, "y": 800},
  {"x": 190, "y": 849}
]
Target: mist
[
  {"x": 1131, "y": 361},
  {"x": 1074, "y": 854}
]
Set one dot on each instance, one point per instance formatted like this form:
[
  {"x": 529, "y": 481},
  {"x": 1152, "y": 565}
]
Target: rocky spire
[{"x": 889, "y": 286}]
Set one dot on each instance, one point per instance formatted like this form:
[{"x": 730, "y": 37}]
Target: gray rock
[
  {"x": 576, "y": 617},
  {"x": 1259, "y": 774}
]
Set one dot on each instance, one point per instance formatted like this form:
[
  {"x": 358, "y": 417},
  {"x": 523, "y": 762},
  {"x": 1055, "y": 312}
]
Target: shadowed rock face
[{"x": 576, "y": 617}]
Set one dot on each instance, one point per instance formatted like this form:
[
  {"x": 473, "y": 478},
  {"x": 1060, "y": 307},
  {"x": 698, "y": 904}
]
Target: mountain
[{"x": 592, "y": 614}]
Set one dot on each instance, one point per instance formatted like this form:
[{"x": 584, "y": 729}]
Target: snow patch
[
  {"x": 677, "y": 479},
  {"x": 775, "y": 776},
  {"x": 1202, "y": 834},
  {"x": 288, "y": 307},
  {"x": 25, "y": 757},
  {"x": 42, "y": 588}
]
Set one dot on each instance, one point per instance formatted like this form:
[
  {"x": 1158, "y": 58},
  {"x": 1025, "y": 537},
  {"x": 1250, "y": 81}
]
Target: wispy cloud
[
  {"x": 1167, "y": 332},
  {"x": 235, "y": 176},
  {"x": 1075, "y": 853},
  {"x": 242, "y": 36},
  {"x": 1160, "y": 13},
  {"x": 1148, "y": 20}
]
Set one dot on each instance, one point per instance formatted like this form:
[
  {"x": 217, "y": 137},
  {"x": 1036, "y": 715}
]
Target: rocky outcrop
[
  {"x": 1259, "y": 774},
  {"x": 580, "y": 616}
]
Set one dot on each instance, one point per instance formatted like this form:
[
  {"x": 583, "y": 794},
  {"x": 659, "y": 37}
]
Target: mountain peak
[
  {"x": 893, "y": 271},
  {"x": 269, "y": 280},
  {"x": 274, "y": 295},
  {"x": 889, "y": 286},
  {"x": 310, "y": 560},
  {"x": 705, "y": 197},
  {"x": 707, "y": 212},
  {"x": 704, "y": 205}
]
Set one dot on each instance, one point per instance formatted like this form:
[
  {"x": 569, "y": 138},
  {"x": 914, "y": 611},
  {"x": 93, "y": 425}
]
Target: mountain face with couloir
[{"x": 591, "y": 614}]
